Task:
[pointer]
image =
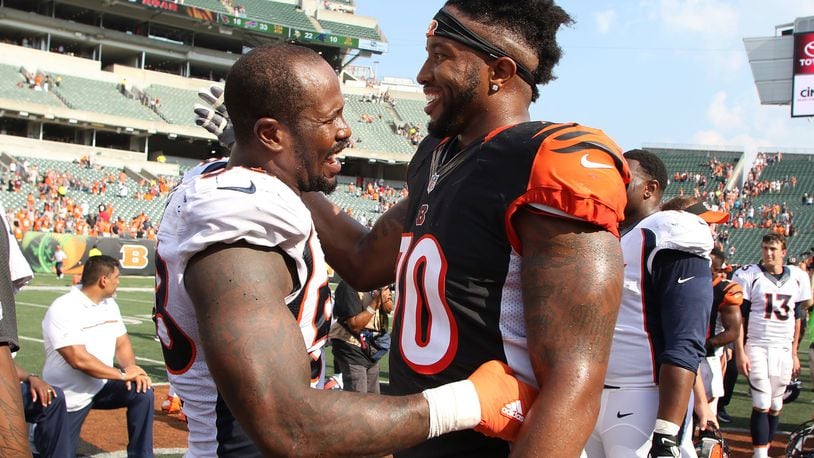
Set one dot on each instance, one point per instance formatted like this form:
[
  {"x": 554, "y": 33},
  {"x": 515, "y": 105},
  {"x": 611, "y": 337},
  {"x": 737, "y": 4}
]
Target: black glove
[
  {"x": 664, "y": 445},
  {"x": 214, "y": 118},
  {"x": 710, "y": 349}
]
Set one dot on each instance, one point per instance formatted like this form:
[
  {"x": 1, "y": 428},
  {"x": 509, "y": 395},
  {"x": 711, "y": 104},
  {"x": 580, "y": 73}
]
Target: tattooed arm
[
  {"x": 572, "y": 285},
  {"x": 13, "y": 432},
  {"x": 257, "y": 358},
  {"x": 366, "y": 259}
]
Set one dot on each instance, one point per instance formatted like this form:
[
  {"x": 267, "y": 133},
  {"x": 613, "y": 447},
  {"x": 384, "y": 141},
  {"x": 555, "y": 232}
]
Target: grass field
[{"x": 136, "y": 307}]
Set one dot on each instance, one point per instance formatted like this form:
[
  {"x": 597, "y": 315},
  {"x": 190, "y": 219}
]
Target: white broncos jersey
[
  {"x": 772, "y": 313},
  {"x": 212, "y": 205},
  {"x": 638, "y": 337}
]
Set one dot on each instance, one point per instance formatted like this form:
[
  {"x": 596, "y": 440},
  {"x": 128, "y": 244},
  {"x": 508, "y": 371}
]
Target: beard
[
  {"x": 312, "y": 182},
  {"x": 315, "y": 182},
  {"x": 322, "y": 184},
  {"x": 453, "y": 118}
]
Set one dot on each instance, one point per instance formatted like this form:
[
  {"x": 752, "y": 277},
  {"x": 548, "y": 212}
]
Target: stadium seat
[
  {"x": 278, "y": 13},
  {"x": 350, "y": 30},
  {"x": 101, "y": 97}
]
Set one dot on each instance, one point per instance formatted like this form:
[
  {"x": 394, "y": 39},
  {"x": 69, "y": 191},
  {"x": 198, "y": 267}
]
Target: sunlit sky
[{"x": 644, "y": 71}]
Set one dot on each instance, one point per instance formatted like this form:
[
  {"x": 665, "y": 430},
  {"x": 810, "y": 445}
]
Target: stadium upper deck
[{"x": 123, "y": 75}]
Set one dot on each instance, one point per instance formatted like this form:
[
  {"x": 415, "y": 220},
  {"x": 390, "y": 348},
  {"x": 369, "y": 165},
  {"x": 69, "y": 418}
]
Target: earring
[{"x": 495, "y": 87}]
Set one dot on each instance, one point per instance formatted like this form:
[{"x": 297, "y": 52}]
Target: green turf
[{"x": 794, "y": 413}]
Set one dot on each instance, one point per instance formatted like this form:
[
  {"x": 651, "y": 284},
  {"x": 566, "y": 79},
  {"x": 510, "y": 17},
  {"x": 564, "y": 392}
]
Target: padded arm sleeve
[{"x": 683, "y": 286}]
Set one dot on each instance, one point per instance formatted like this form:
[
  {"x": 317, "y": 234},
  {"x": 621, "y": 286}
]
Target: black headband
[{"x": 444, "y": 25}]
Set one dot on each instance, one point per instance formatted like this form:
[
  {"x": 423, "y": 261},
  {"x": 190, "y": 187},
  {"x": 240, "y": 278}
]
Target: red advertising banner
[
  {"x": 804, "y": 53},
  {"x": 802, "y": 97}
]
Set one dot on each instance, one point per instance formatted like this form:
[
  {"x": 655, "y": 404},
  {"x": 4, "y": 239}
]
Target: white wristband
[
  {"x": 453, "y": 407},
  {"x": 666, "y": 427},
  {"x": 371, "y": 310}
]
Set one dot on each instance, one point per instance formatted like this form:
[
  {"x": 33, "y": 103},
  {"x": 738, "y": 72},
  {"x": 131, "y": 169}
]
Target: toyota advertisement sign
[{"x": 802, "y": 97}]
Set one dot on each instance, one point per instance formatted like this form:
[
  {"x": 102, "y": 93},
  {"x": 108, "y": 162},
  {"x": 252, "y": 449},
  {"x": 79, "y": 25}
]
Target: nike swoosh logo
[
  {"x": 244, "y": 189},
  {"x": 685, "y": 280},
  {"x": 619, "y": 414},
  {"x": 589, "y": 164},
  {"x": 667, "y": 442}
]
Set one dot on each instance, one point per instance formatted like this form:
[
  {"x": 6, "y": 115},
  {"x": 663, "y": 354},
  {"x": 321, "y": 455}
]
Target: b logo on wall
[{"x": 135, "y": 256}]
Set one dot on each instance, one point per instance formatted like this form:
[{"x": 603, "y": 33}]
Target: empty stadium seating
[
  {"x": 101, "y": 97},
  {"x": 378, "y": 135},
  {"x": 349, "y": 30},
  {"x": 412, "y": 111},
  {"x": 176, "y": 104},
  {"x": 212, "y": 5}
]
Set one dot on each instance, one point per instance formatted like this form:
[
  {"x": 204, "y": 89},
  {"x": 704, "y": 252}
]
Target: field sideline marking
[
  {"x": 138, "y": 358},
  {"x": 141, "y": 319}
]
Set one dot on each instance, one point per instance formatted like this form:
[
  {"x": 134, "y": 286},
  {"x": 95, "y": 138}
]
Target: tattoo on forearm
[
  {"x": 392, "y": 221},
  {"x": 13, "y": 434},
  {"x": 262, "y": 362}
]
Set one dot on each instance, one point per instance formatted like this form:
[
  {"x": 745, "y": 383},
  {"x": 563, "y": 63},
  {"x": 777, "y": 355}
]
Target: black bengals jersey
[
  {"x": 458, "y": 273},
  {"x": 725, "y": 293}
]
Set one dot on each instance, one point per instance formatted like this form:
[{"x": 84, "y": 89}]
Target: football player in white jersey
[
  {"x": 774, "y": 295},
  {"x": 725, "y": 317},
  {"x": 659, "y": 336},
  {"x": 242, "y": 299}
]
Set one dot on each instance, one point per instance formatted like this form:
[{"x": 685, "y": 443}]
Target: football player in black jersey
[{"x": 507, "y": 246}]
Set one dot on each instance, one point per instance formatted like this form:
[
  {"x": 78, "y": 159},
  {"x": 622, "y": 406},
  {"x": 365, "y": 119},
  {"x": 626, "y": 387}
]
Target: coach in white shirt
[{"x": 83, "y": 332}]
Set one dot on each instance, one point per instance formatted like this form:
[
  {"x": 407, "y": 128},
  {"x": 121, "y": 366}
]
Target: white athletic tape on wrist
[
  {"x": 453, "y": 407},
  {"x": 666, "y": 427},
  {"x": 219, "y": 101}
]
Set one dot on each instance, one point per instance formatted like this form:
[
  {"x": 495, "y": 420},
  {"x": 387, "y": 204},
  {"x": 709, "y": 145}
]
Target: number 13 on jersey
[{"x": 781, "y": 312}]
